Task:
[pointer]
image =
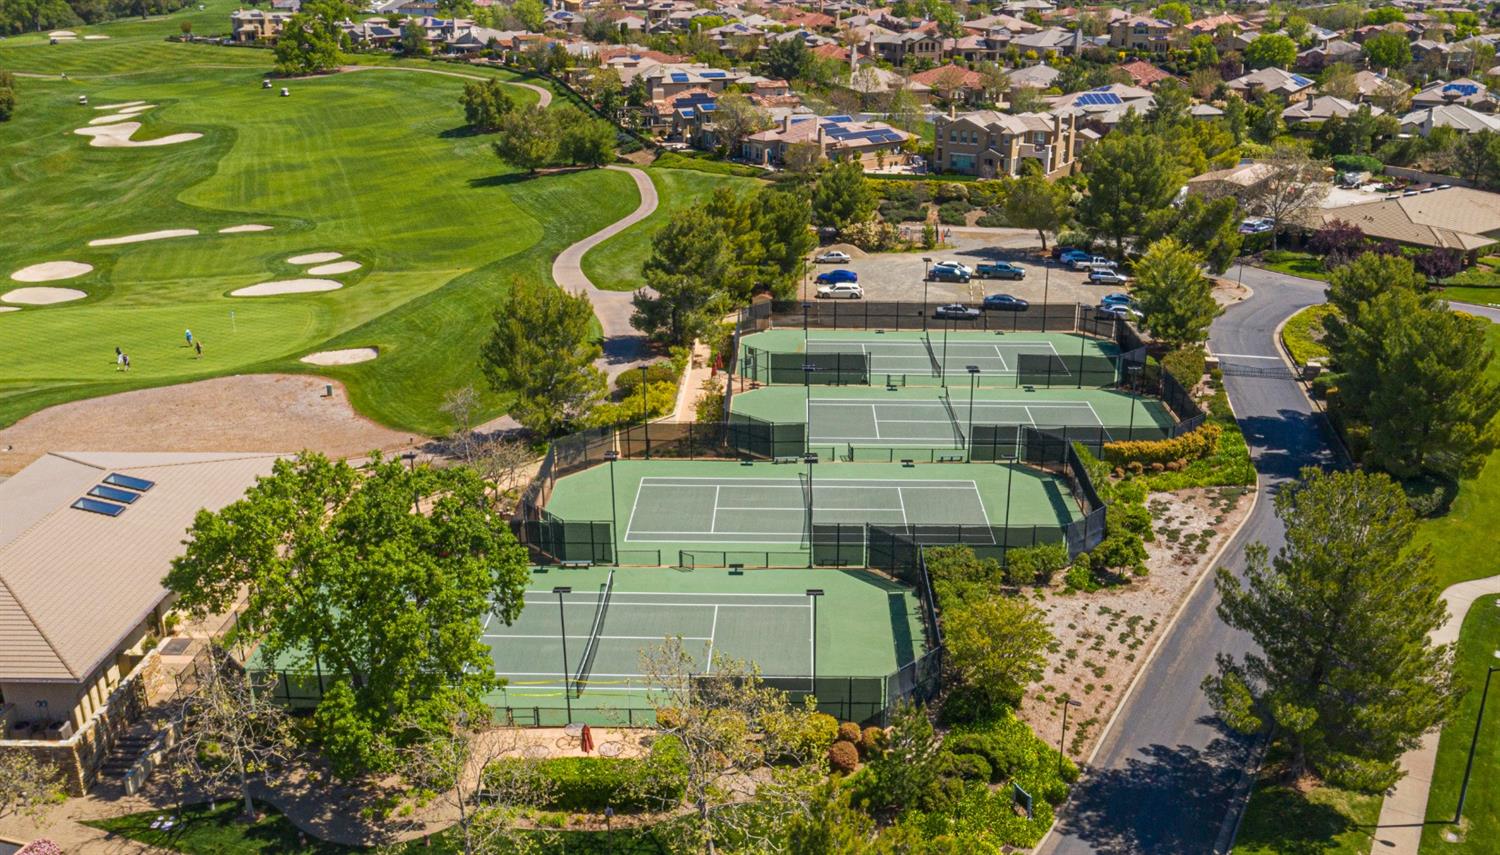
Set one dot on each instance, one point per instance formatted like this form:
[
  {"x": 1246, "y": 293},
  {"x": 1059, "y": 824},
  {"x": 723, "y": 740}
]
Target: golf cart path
[
  {"x": 544, "y": 95},
  {"x": 1404, "y": 812},
  {"x": 624, "y": 346}
]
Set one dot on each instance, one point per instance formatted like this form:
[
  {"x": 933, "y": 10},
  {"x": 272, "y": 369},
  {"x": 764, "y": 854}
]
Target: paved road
[
  {"x": 1167, "y": 778},
  {"x": 544, "y": 95},
  {"x": 624, "y": 346}
]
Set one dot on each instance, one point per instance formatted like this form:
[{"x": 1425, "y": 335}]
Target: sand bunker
[
  {"x": 4, "y": 309},
  {"x": 112, "y": 117},
  {"x": 118, "y": 136},
  {"x": 139, "y": 108},
  {"x": 341, "y": 357},
  {"x": 314, "y": 257},
  {"x": 119, "y": 105},
  {"x": 61, "y": 34},
  {"x": 50, "y": 271},
  {"x": 336, "y": 267},
  {"x": 287, "y": 286},
  {"x": 42, "y": 296},
  {"x": 144, "y": 236},
  {"x": 96, "y": 38},
  {"x": 248, "y": 227}
]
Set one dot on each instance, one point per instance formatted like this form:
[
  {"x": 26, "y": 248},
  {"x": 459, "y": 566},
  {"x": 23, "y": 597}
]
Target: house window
[{"x": 952, "y": 136}]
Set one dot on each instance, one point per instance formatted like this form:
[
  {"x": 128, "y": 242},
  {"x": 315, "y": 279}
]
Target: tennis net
[
  {"x": 937, "y": 367},
  {"x": 586, "y": 665},
  {"x": 958, "y": 432}
]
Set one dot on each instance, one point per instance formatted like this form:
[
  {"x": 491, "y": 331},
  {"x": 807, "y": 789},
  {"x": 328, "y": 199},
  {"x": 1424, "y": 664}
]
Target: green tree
[
  {"x": 1352, "y": 286},
  {"x": 686, "y": 269},
  {"x": 736, "y": 118},
  {"x": 1476, "y": 157},
  {"x": 1130, "y": 177},
  {"x": 830, "y": 825},
  {"x": 485, "y": 102},
  {"x": 1271, "y": 50},
  {"x": 312, "y": 41},
  {"x": 1388, "y": 51},
  {"x": 1414, "y": 375},
  {"x": 1288, "y": 190},
  {"x": 1236, "y": 117},
  {"x": 543, "y": 350},
  {"x": 997, "y": 646},
  {"x": 379, "y": 577},
  {"x": 530, "y": 13},
  {"x": 1346, "y": 678},
  {"x": 582, "y": 138},
  {"x": 843, "y": 196},
  {"x": 528, "y": 138},
  {"x": 7, "y": 95},
  {"x": 788, "y": 59},
  {"x": 1175, "y": 296},
  {"x": 1265, "y": 122},
  {"x": 902, "y": 776},
  {"x": 783, "y": 235},
  {"x": 414, "y": 40},
  {"x": 1383, "y": 15},
  {"x": 1177, "y": 12},
  {"x": 1210, "y": 225},
  {"x": 1033, "y": 202}
]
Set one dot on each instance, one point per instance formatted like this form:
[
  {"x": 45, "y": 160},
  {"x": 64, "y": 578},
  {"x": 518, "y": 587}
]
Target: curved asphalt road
[
  {"x": 624, "y": 346},
  {"x": 1167, "y": 778}
]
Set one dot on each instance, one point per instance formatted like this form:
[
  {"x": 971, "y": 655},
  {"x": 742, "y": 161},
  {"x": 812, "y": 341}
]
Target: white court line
[
  {"x": 713, "y": 630},
  {"x": 874, "y": 416},
  {"x": 1004, "y": 366},
  {"x": 634, "y": 506},
  {"x": 860, "y": 402},
  {"x": 683, "y": 594},
  {"x": 901, "y": 495},
  {"x": 609, "y": 637},
  {"x": 713, "y": 522}
]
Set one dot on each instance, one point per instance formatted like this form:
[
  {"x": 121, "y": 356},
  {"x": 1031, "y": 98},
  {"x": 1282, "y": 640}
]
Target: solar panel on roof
[
  {"x": 679, "y": 77},
  {"x": 114, "y": 495},
  {"x": 140, "y": 485},
  {"x": 687, "y": 114},
  {"x": 708, "y": 107},
  {"x": 838, "y": 118},
  {"x": 1465, "y": 89},
  {"x": 94, "y": 506},
  {"x": 714, "y": 75},
  {"x": 1300, "y": 80}
]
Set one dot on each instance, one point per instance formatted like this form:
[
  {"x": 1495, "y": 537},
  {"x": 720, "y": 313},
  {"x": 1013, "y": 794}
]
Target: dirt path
[
  {"x": 255, "y": 412},
  {"x": 544, "y": 95},
  {"x": 623, "y": 345}
]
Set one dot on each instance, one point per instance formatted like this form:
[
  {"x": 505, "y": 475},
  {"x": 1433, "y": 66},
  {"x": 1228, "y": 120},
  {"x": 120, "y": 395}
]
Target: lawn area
[
  {"x": 220, "y": 832},
  {"x": 615, "y": 265},
  {"x": 1281, "y": 820},
  {"x": 1303, "y": 264},
  {"x": 1476, "y": 651},
  {"x": 1471, "y": 521},
  {"x": 373, "y": 165},
  {"x": 1303, "y": 334},
  {"x": 1477, "y": 294}
]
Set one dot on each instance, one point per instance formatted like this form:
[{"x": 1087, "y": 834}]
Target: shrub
[
  {"x": 1190, "y": 446},
  {"x": 1430, "y": 495},
  {"x": 843, "y": 757},
  {"x": 1358, "y": 163},
  {"x": 871, "y": 741},
  {"x": 669, "y": 718},
  {"x": 1080, "y": 576},
  {"x": 1186, "y": 365},
  {"x": 972, "y": 767},
  {"x": 804, "y": 736},
  {"x": 850, "y": 732},
  {"x": 1035, "y": 564},
  {"x": 953, "y": 213},
  {"x": 625, "y": 784}
]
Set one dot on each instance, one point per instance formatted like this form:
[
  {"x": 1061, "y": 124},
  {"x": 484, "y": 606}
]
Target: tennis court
[{"x": 867, "y": 625}]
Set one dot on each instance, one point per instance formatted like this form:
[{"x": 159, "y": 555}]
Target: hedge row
[
  {"x": 653, "y": 782},
  {"x": 1190, "y": 446}
]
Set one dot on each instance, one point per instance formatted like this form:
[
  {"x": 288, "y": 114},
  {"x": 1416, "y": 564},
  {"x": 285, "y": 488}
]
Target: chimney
[
  {"x": 786, "y": 122},
  {"x": 952, "y": 111}
]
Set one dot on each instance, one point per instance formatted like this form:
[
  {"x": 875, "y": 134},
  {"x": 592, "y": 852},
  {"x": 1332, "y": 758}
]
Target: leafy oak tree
[
  {"x": 843, "y": 196},
  {"x": 1271, "y": 49},
  {"x": 1388, "y": 51},
  {"x": 485, "y": 102},
  {"x": 1175, "y": 296},
  {"x": 1033, "y": 202},
  {"x": 997, "y": 646},
  {"x": 543, "y": 350},
  {"x": 379, "y": 577},
  {"x": 1130, "y": 178},
  {"x": 312, "y": 41},
  {"x": 1346, "y": 678},
  {"x": 528, "y": 138}
]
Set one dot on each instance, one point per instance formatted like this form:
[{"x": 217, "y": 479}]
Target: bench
[
  {"x": 950, "y": 458},
  {"x": 793, "y": 458},
  {"x": 574, "y": 565}
]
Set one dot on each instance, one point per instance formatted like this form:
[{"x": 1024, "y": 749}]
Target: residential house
[
  {"x": 1454, "y": 116},
  {"x": 1439, "y": 218},
  {"x": 1272, "y": 81},
  {"x": 1141, "y": 34},
  {"x": 950, "y": 83},
  {"x": 1463, "y": 92},
  {"x": 1054, "y": 41},
  {"x": 1324, "y": 107},
  {"x": 667, "y": 79},
  {"x": 1040, "y": 76},
  {"x": 1103, "y": 107},
  {"x": 1374, "y": 84},
  {"x": 1210, "y": 25},
  {"x": 1328, "y": 53},
  {"x": 921, "y": 44},
  {"x": 837, "y": 138},
  {"x": 1144, "y": 74},
  {"x": 253, "y": 25},
  {"x": 988, "y": 144}
]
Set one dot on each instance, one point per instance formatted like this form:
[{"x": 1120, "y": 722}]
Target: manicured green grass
[
  {"x": 615, "y": 265},
  {"x": 374, "y": 165},
  {"x": 1471, "y": 520},
  {"x": 1303, "y": 334},
  {"x": 1477, "y": 644},
  {"x": 221, "y": 832},
  {"x": 1478, "y": 295},
  {"x": 704, "y": 163},
  {"x": 1280, "y": 820},
  {"x": 1295, "y": 264}
]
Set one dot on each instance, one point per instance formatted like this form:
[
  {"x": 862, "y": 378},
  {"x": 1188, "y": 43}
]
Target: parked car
[
  {"x": 1106, "y": 277},
  {"x": 948, "y": 273},
  {"x": 1256, "y": 225},
  {"x": 1059, "y": 251},
  {"x": 1118, "y": 310},
  {"x": 833, "y": 277},
  {"x": 1093, "y": 262},
  {"x": 847, "y": 290},
  {"x": 1000, "y": 270},
  {"x": 955, "y": 312},
  {"x": 1005, "y": 303},
  {"x": 1117, "y": 298},
  {"x": 1068, "y": 256},
  {"x": 832, "y": 256}
]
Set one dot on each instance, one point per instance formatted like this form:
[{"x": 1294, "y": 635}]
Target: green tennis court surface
[
  {"x": 915, "y": 353},
  {"x": 867, "y": 626},
  {"x": 701, "y": 512}
]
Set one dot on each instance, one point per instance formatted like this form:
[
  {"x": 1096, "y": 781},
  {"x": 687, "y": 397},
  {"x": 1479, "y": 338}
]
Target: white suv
[{"x": 847, "y": 290}]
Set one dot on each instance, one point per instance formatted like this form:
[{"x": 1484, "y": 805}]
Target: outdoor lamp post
[
  {"x": 807, "y": 371},
  {"x": 813, "y": 594},
  {"x": 973, "y": 380},
  {"x": 562, "y": 622},
  {"x": 1134, "y": 371},
  {"x": 943, "y": 375},
  {"x": 805, "y": 308},
  {"x": 1067, "y": 703},
  {"x": 1046, "y": 288},
  {"x": 810, "y": 459},
  {"x": 1463, "y": 790},
  {"x": 925, "y": 280},
  {"x": 614, "y": 516},
  {"x": 645, "y": 414}
]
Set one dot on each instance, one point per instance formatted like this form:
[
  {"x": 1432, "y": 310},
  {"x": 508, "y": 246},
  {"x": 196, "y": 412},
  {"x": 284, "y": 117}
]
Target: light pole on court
[
  {"x": 562, "y": 622},
  {"x": 805, "y": 307},
  {"x": 813, "y": 594},
  {"x": 614, "y": 516},
  {"x": 1046, "y": 288},
  {"x": 807, "y": 371},
  {"x": 1067, "y": 703},
  {"x": 943, "y": 375},
  {"x": 1134, "y": 372},
  {"x": 810, "y": 459},
  {"x": 645, "y": 414},
  {"x": 925, "y": 281},
  {"x": 973, "y": 380}
]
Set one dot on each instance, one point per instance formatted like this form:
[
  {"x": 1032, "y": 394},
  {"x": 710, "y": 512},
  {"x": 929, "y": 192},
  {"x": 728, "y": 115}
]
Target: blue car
[
  {"x": 1005, "y": 303},
  {"x": 842, "y": 274}
]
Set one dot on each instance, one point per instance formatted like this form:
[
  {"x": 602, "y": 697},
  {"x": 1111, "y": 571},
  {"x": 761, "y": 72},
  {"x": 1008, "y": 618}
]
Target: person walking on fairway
[
  {"x": 119, "y": 359},
  {"x": 189, "y": 334},
  {"x": 198, "y": 348},
  {"x": 125, "y": 361}
]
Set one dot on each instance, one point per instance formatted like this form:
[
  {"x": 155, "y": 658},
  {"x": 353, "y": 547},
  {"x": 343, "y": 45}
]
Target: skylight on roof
[
  {"x": 114, "y": 494},
  {"x": 140, "y": 485},
  {"x": 94, "y": 506}
]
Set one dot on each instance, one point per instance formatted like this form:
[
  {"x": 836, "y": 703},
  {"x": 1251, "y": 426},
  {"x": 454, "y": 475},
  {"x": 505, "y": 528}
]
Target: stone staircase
[{"x": 131, "y": 744}]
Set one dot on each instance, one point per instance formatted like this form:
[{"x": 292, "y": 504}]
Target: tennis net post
[
  {"x": 958, "y": 431},
  {"x": 586, "y": 664},
  {"x": 937, "y": 367}
]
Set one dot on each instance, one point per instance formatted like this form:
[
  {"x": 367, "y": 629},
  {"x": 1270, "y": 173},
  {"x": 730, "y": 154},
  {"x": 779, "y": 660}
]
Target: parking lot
[{"x": 898, "y": 275}]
